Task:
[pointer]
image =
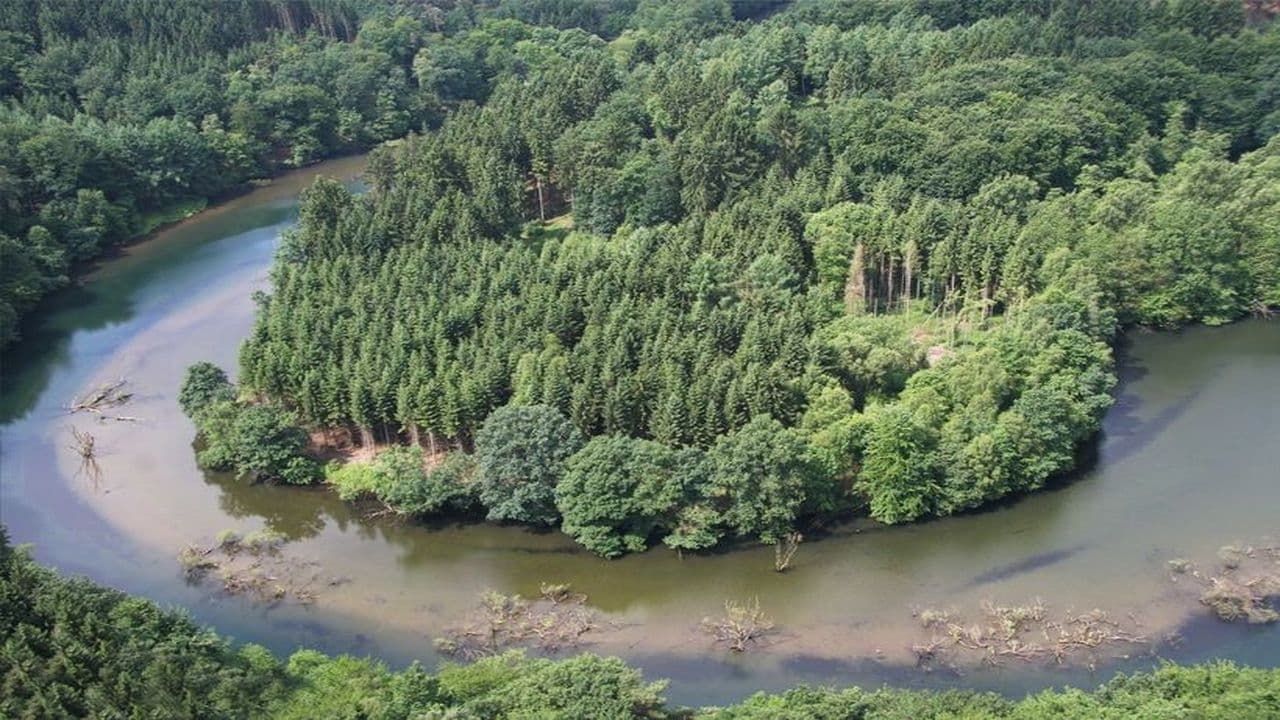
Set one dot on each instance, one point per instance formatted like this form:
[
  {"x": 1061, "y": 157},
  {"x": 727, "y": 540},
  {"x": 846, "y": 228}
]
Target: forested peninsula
[
  {"x": 691, "y": 277},
  {"x": 70, "y": 649}
]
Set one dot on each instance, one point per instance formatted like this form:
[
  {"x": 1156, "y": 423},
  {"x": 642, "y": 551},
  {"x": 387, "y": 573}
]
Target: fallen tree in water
[
  {"x": 107, "y": 664},
  {"x": 558, "y": 619},
  {"x": 105, "y": 397},
  {"x": 1021, "y": 632},
  {"x": 743, "y": 625},
  {"x": 1244, "y": 588},
  {"x": 86, "y": 446},
  {"x": 255, "y": 567}
]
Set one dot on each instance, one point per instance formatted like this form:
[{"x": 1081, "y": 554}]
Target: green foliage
[
  {"x": 871, "y": 355},
  {"x": 203, "y": 385},
  {"x": 584, "y": 686},
  {"x": 73, "y": 649},
  {"x": 1210, "y": 690},
  {"x": 258, "y": 442},
  {"x": 120, "y": 116},
  {"x": 697, "y": 527},
  {"x": 905, "y": 231},
  {"x": 398, "y": 478},
  {"x": 347, "y": 688},
  {"x": 520, "y": 454},
  {"x": 255, "y": 441},
  {"x": 1002, "y": 415},
  {"x": 618, "y": 492},
  {"x": 757, "y": 478},
  {"x": 899, "y": 467},
  {"x": 150, "y": 221}
]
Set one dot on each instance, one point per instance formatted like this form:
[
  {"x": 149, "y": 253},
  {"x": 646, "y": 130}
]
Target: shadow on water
[
  {"x": 296, "y": 517},
  {"x": 1124, "y": 433},
  {"x": 27, "y": 366},
  {"x": 107, "y": 294},
  {"x": 1026, "y": 565}
]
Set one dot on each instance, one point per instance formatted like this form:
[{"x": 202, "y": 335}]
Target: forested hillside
[
  {"x": 119, "y": 115},
  {"x": 854, "y": 255},
  {"x": 70, "y": 649}
]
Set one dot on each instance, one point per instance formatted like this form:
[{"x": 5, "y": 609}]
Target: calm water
[{"x": 1188, "y": 462}]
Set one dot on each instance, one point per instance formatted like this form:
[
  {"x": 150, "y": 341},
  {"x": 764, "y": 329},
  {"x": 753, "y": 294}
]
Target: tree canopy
[{"x": 889, "y": 242}]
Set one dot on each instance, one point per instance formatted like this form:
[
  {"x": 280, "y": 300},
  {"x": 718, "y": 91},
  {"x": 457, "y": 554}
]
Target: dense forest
[
  {"x": 686, "y": 274},
  {"x": 71, "y": 649},
  {"x": 117, "y": 116}
]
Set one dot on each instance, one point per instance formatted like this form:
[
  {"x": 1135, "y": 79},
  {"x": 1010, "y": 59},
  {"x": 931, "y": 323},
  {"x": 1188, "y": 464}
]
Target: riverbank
[
  {"x": 153, "y": 225},
  {"x": 109, "y": 666}
]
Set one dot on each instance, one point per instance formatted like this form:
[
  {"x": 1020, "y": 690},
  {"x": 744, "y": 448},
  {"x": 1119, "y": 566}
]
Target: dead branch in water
[
  {"x": 1021, "y": 632},
  {"x": 196, "y": 562},
  {"x": 86, "y": 446},
  {"x": 742, "y": 625},
  {"x": 84, "y": 443},
  {"x": 785, "y": 550},
  {"x": 1244, "y": 588},
  {"x": 105, "y": 397},
  {"x": 253, "y": 566},
  {"x": 558, "y": 620}
]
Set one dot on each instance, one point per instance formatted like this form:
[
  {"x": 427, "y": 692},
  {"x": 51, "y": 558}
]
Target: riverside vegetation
[
  {"x": 69, "y": 648},
  {"x": 690, "y": 278}
]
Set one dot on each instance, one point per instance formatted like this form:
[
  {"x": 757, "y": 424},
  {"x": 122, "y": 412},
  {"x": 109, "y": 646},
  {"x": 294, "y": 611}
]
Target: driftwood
[
  {"x": 558, "y": 620},
  {"x": 86, "y": 446},
  {"x": 785, "y": 550},
  {"x": 253, "y": 566},
  {"x": 105, "y": 397},
  {"x": 1244, "y": 587},
  {"x": 742, "y": 625},
  {"x": 1022, "y": 632}
]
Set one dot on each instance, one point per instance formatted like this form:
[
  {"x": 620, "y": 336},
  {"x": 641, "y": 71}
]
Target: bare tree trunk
[
  {"x": 785, "y": 550},
  {"x": 881, "y": 282},
  {"x": 542, "y": 211},
  {"x": 908, "y": 265},
  {"x": 366, "y": 436},
  {"x": 890, "y": 292},
  {"x": 414, "y": 436},
  {"x": 855, "y": 286}
]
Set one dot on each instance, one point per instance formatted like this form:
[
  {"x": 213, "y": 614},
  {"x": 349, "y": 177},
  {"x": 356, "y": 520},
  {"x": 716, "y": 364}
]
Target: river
[{"x": 1187, "y": 462}]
